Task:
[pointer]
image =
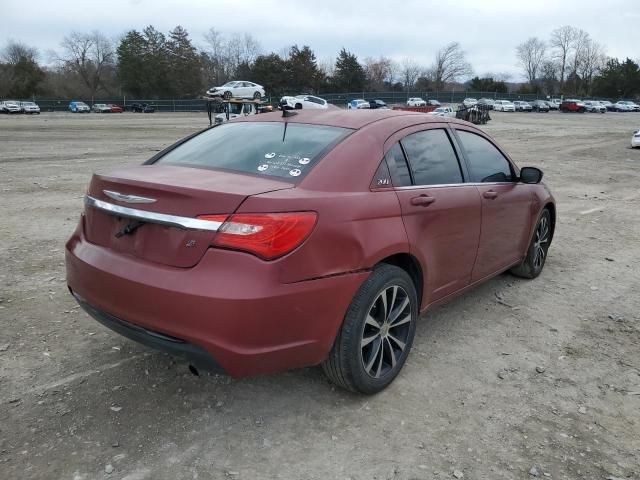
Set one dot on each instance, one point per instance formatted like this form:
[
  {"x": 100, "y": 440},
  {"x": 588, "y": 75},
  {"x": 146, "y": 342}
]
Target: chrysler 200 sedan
[{"x": 273, "y": 242}]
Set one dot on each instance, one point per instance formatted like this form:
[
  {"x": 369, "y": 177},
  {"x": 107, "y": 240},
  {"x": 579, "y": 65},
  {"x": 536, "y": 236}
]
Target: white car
[
  {"x": 595, "y": 106},
  {"x": 11, "y": 106},
  {"x": 504, "y": 106},
  {"x": 470, "y": 102},
  {"x": 358, "y": 104},
  {"x": 236, "y": 109},
  {"x": 303, "y": 102},
  {"x": 416, "y": 102},
  {"x": 626, "y": 106},
  {"x": 443, "y": 112},
  {"x": 522, "y": 106},
  {"x": 635, "y": 140},
  {"x": 237, "y": 89},
  {"x": 30, "y": 107},
  {"x": 101, "y": 108}
]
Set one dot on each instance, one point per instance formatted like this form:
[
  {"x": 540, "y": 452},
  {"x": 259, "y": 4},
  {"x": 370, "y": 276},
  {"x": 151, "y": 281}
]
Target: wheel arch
[{"x": 411, "y": 265}]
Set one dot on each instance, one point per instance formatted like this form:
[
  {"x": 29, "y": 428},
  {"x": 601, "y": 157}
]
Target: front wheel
[
  {"x": 257, "y": 96},
  {"x": 227, "y": 95},
  {"x": 376, "y": 336},
  {"x": 538, "y": 249}
]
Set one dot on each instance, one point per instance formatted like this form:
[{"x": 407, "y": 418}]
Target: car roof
[{"x": 355, "y": 120}]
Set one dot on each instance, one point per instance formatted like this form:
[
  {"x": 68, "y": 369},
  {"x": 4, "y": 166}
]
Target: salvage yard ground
[{"x": 515, "y": 379}]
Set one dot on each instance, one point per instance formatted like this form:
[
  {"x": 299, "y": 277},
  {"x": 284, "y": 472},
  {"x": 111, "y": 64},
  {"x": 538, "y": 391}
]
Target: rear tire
[
  {"x": 536, "y": 257},
  {"x": 376, "y": 336}
]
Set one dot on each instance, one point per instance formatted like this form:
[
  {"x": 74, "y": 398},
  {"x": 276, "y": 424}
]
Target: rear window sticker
[
  {"x": 269, "y": 155},
  {"x": 263, "y": 167},
  {"x": 295, "y": 172},
  {"x": 304, "y": 161}
]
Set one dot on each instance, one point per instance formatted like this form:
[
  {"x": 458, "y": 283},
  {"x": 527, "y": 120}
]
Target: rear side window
[
  {"x": 287, "y": 150},
  {"x": 398, "y": 166},
  {"x": 486, "y": 162},
  {"x": 432, "y": 158}
]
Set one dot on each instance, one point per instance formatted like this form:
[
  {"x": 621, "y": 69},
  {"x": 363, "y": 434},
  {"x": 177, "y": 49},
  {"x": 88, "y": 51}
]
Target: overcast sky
[{"x": 488, "y": 30}]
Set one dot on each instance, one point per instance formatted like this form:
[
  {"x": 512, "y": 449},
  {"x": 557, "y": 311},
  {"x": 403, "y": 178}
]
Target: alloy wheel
[
  {"x": 386, "y": 331},
  {"x": 541, "y": 242}
]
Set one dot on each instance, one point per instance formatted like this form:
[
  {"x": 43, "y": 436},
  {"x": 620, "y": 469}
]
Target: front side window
[
  {"x": 262, "y": 148},
  {"x": 432, "y": 158},
  {"x": 486, "y": 162}
]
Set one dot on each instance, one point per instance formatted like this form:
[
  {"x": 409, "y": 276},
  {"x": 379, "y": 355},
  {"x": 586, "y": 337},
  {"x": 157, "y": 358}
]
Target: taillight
[{"x": 266, "y": 235}]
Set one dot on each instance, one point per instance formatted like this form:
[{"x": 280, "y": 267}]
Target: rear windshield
[{"x": 287, "y": 150}]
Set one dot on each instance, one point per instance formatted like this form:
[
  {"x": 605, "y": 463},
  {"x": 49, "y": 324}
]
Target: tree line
[{"x": 150, "y": 64}]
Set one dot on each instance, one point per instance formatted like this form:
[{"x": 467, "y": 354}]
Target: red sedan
[
  {"x": 115, "y": 108},
  {"x": 270, "y": 242}
]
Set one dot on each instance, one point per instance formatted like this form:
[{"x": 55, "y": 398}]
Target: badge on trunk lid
[{"x": 121, "y": 197}]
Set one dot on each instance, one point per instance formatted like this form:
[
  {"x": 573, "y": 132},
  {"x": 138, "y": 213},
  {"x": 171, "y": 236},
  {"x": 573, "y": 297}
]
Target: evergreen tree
[
  {"x": 349, "y": 75},
  {"x": 183, "y": 64}
]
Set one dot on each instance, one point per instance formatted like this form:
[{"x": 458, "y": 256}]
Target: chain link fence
[{"x": 339, "y": 99}]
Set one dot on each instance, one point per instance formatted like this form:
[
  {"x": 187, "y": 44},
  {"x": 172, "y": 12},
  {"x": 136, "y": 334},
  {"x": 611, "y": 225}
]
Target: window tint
[
  {"x": 432, "y": 158},
  {"x": 486, "y": 162},
  {"x": 398, "y": 166},
  {"x": 262, "y": 148}
]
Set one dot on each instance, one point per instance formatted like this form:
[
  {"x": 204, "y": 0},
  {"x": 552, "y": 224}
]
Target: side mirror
[{"x": 530, "y": 175}]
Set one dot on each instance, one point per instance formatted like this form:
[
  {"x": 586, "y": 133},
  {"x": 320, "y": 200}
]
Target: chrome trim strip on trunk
[{"x": 186, "y": 223}]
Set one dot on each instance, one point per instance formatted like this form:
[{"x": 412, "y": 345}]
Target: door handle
[
  {"x": 422, "y": 200},
  {"x": 490, "y": 194}
]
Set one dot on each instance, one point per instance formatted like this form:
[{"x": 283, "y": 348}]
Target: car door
[
  {"x": 506, "y": 204},
  {"x": 441, "y": 213}
]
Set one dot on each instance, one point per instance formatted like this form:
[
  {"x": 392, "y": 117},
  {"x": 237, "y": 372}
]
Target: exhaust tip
[{"x": 194, "y": 370}]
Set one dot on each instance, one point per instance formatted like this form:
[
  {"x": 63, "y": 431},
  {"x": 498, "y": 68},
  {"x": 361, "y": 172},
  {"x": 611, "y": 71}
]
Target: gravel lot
[{"x": 513, "y": 379}]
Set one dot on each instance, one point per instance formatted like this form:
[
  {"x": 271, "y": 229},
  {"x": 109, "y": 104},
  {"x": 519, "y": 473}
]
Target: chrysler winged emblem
[{"x": 121, "y": 197}]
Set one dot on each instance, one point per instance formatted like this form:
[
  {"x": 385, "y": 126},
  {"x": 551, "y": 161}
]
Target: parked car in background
[
  {"x": 12, "y": 106},
  {"x": 416, "y": 102},
  {"x": 78, "y": 107},
  {"x": 504, "y": 106},
  {"x": 237, "y": 89},
  {"x": 635, "y": 139},
  {"x": 307, "y": 244},
  {"x": 236, "y": 110},
  {"x": 552, "y": 105},
  {"x": 30, "y": 108},
  {"x": 539, "y": 106},
  {"x": 143, "y": 108},
  {"x": 300, "y": 102},
  {"x": 522, "y": 106},
  {"x": 488, "y": 102},
  {"x": 115, "y": 108},
  {"x": 608, "y": 105},
  {"x": 433, "y": 103},
  {"x": 101, "y": 108},
  {"x": 469, "y": 102},
  {"x": 572, "y": 105},
  {"x": 443, "y": 112},
  {"x": 594, "y": 106},
  {"x": 556, "y": 102},
  {"x": 377, "y": 104},
  {"x": 626, "y": 106},
  {"x": 358, "y": 104}
]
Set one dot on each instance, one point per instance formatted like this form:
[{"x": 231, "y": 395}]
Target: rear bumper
[
  {"x": 231, "y": 305},
  {"x": 175, "y": 346}
]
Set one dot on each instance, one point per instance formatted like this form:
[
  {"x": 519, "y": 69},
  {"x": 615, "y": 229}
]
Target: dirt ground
[{"x": 515, "y": 379}]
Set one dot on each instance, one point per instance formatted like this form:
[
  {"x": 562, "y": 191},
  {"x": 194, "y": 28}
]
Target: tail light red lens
[{"x": 266, "y": 235}]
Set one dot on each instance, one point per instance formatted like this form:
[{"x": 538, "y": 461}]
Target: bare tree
[
  {"x": 562, "y": 40},
  {"x": 410, "y": 71},
  {"x": 327, "y": 66},
  {"x": 450, "y": 64},
  {"x": 90, "y": 56},
  {"x": 378, "y": 70},
  {"x": 530, "y": 56},
  {"x": 16, "y": 51},
  {"x": 593, "y": 59}
]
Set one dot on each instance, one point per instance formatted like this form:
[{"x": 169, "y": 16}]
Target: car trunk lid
[{"x": 148, "y": 211}]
